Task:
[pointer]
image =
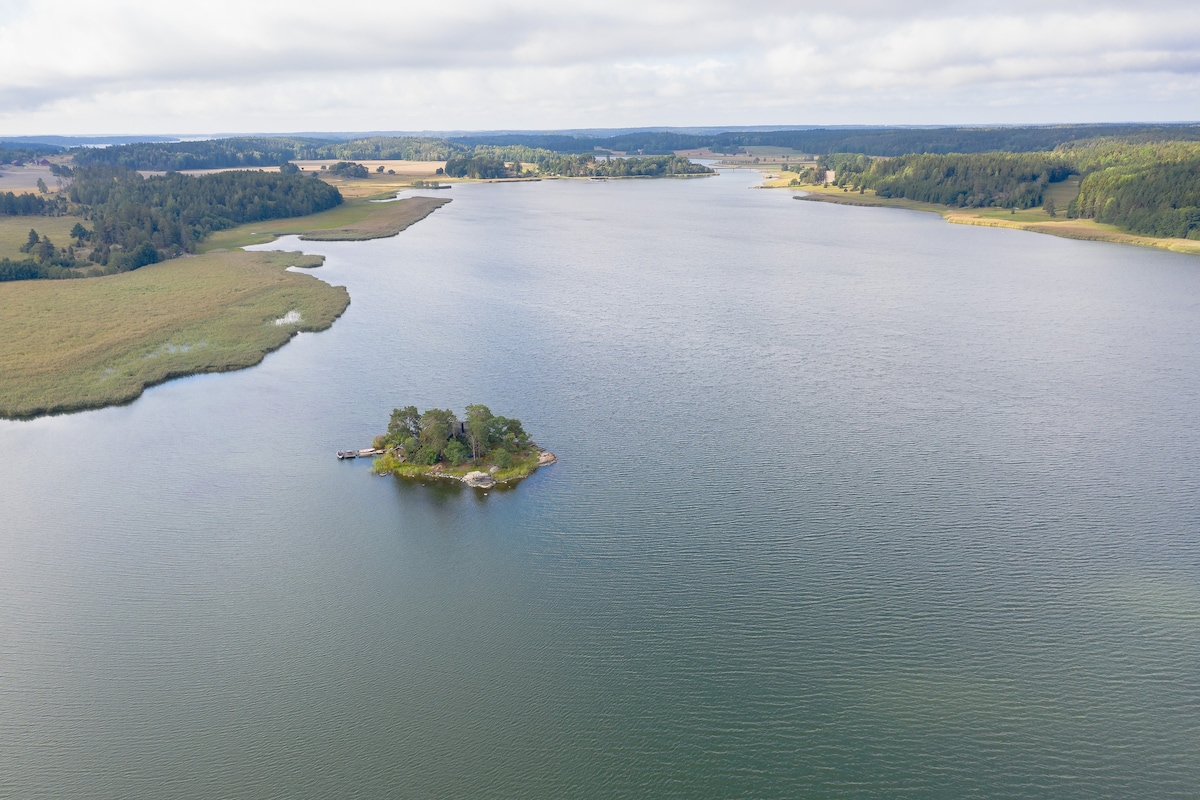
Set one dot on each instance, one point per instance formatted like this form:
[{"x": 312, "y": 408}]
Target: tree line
[
  {"x": 249, "y": 151},
  {"x": 271, "y": 151},
  {"x": 1142, "y": 186},
  {"x": 21, "y": 151},
  {"x": 29, "y": 205},
  {"x": 1006, "y": 180},
  {"x": 174, "y": 212},
  {"x": 515, "y": 161},
  {"x": 1153, "y": 200},
  {"x": 138, "y": 221},
  {"x": 867, "y": 141}
]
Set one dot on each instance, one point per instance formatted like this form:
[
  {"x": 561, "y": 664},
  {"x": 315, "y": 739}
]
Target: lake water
[{"x": 850, "y": 503}]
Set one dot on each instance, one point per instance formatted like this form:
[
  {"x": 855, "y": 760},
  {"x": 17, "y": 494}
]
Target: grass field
[
  {"x": 76, "y": 344},
  {"x": 353, "y": 220},
  {"x": 14, "y": 232},
  {"x": 381, "y": 221}
]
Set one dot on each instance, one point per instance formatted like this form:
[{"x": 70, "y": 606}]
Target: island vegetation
[{"x": 481, "y": 450}]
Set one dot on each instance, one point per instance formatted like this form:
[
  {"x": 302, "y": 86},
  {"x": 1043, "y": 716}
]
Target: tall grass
[{"x": 70, "y": 345}]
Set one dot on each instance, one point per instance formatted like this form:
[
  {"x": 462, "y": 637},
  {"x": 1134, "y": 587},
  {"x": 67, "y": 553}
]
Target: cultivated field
[
  {"x": 24, "y": 179},
  {"x": 74, "y": 344},
  {"x": 379, "y": 184}
]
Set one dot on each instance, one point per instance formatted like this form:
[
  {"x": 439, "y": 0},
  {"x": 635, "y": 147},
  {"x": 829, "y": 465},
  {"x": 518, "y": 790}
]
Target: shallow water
[{"x": 851, "y": 502}]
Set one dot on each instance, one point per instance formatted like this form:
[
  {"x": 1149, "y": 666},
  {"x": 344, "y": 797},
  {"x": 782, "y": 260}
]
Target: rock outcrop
[{"x": 479, "y": 480}]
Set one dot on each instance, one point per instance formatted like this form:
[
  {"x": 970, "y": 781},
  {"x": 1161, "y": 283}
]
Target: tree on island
[{"x": 436, "y": 436}]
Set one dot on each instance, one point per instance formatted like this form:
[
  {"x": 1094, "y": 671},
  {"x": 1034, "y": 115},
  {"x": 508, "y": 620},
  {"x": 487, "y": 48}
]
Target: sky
[{"x": 220, "y": 66}]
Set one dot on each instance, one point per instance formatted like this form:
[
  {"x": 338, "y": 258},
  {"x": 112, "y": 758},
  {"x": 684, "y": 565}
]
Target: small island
[{"x": 482, "y": 450}]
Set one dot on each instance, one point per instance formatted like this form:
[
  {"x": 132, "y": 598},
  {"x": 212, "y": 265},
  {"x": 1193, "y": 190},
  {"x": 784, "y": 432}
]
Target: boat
[{"x": 347, "y": 454}]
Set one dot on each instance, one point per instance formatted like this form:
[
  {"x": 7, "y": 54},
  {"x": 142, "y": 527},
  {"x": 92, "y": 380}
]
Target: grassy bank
[
  {"x": 1033, "y": 219},
  {"x": 354, "y": 220},
  {"x": 72, "y": 345},
  {"x": 383, "y": 220}
]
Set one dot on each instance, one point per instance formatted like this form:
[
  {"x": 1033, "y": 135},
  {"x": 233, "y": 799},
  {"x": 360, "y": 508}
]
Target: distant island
[{"x": 481, "y": 450}]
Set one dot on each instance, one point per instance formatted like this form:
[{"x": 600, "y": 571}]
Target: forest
[
  {"x": 272, "y": 151},
  {"x": 21, "y": 151},
  {"x": 820, "y": 141},
  {"x": 28, "y": 204},
  {"x": 1160, "y": 199},
  {"x": 259, "y": 152},
  {"x": 207, "y": 154},
  {"x": 174, "y": 212},
  {"x": 1142, "y": 186},
  {"x": 138, "y": 221},
  {"x": 1006, "y": 180}
]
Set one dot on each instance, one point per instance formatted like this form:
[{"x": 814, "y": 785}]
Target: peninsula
[{"x": 481, "y": 450}]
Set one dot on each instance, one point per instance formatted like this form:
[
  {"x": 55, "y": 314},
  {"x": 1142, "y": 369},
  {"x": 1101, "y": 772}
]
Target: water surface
[{"x": 851, "y": 503}]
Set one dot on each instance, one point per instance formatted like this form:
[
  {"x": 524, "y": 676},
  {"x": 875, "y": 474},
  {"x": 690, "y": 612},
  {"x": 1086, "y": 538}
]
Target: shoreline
[
  {"x": 474, "y": 478},
  {"x": 1079, "y": 229},
  {"x": 208, "y": 299},
  {"x": 106, "y": 360}
]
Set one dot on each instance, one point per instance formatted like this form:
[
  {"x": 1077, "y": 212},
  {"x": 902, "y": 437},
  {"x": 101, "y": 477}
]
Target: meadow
[
  {"x": 77, "y": 344},
  {"x": 14, "y": 232},
  {"x": 354, "y": 220}
]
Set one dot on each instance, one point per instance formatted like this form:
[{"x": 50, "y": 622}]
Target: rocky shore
[{"x": 478, "y": 479}]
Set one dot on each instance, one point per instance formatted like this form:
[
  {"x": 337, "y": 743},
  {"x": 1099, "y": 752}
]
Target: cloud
[{"x": 224, "y": 66}]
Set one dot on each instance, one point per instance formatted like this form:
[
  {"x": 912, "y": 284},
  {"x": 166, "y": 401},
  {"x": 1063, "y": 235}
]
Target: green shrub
[{"x": 456, "y": 452}]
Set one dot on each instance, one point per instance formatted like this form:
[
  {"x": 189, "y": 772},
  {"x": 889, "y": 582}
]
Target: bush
[
  {"x": 456, "y": 452},
  {"x": 348, "y": 169}
]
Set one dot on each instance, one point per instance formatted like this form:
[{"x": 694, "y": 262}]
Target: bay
[{"x": 850, "y": 503}]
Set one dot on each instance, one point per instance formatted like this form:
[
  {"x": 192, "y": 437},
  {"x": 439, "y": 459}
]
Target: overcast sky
[{"x": 133, "y": 66}]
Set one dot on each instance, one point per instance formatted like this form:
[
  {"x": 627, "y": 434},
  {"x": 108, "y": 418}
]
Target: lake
[{"x": 850, "y": 503}]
